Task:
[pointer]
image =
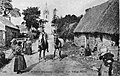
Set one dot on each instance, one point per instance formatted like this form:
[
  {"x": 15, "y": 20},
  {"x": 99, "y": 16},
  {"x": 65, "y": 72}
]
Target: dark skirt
[
  {"x": 28, "y": 50},
  {"x": 19, "y": 63}
]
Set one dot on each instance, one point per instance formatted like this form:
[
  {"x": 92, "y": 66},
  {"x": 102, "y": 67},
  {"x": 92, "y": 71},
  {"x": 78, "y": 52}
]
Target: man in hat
[
  {"x": 58, "y": 44},
  {"x": 43, "y": 39},
  {"x": 107, "y": 58}
]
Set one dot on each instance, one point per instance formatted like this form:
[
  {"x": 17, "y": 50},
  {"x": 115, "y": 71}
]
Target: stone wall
[
  {"x": 91, "y": 42},
  {"x": 10, "y": 34},
  {"x": 2, "y": 41},
  {"x": 80, "y": 41}
]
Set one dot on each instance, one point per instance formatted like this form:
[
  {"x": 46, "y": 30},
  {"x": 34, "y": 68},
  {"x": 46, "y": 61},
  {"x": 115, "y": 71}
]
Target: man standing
[
  {"x": 43, "y": 43},
  {"x": 108, "y": 61},
  {"x": 45, "y": 36}
]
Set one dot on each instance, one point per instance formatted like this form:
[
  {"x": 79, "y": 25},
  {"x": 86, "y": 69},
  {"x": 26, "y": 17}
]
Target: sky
[{"x": 63, "y": 7}]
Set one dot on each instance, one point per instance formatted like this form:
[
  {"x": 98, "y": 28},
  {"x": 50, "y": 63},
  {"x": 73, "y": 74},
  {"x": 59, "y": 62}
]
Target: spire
[
  {"x": 54, "y": 13},
  {"x": 46, "y": 11},
  {"x": 46, "y": 5}
]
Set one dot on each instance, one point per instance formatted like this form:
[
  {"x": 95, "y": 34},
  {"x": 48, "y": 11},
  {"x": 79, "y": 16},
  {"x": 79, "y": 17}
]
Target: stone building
[
  {"x": 8, "y": 31},
  {"x": 100, "y": 25}
]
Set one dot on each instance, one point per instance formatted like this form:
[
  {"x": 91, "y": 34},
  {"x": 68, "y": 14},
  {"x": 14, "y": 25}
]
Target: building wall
[
  {"x": 2, "y": 39},
  {"x": 80, "y": 41},
  {"x": 92, "y": 41},
  {"x": 83, "y": 41},
  {"x": 10, "y": 34}
]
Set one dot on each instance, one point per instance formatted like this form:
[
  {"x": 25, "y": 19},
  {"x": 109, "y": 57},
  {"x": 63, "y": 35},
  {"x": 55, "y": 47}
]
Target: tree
[
  {"x": 63, "y": 25},
  {"x": 7, "y": 10},
  {"x": 31, "y": 16}
]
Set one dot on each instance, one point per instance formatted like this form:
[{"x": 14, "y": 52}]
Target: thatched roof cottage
[{"x": 99, "y": 21}]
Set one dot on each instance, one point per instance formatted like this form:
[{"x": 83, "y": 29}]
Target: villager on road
[
  {"x": 19, "y": 63},
  {"x": 13, "y": 47},
  {"x": 58, "y": 43},
  {"x": 28, "y": 47},
  {"x": 2, "y": 58},
  {"x": 43, "y": 44},
  {"x": 107, "y": 64}
]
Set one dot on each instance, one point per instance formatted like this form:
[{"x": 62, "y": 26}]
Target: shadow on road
[
  {"x": 34, "y": 53},
  {"x": 49, "y": 57},
  {"x": 30, "y": 67}
]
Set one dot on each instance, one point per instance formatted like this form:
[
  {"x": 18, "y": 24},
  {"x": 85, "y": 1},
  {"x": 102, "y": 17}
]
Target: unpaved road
[{"x": 65, "y": 67}]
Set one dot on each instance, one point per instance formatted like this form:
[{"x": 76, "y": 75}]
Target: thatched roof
[
  {"x": 7, "y": 22},
  {"x": 103, "y": 18}
]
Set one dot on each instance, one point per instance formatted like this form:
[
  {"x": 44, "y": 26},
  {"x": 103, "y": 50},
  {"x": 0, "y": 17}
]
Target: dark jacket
[{"x": 106, "y": 57}]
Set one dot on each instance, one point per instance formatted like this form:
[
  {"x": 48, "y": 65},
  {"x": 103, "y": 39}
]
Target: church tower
[
  {"x": 54, "y": 13},
  {"x": 46, "y": 13}
]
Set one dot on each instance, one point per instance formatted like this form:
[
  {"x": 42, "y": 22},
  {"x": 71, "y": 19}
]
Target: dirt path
[{"x": 66, "y": 67}]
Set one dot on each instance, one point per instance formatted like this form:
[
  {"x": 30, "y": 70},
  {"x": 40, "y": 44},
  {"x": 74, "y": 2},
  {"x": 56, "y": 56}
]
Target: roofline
[
  {"x": 12, "y": 27},
  {"x": 96, "y": 33}
]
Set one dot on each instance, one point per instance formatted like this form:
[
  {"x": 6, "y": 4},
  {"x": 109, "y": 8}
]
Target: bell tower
[
  {"x": 46, "y": 13},
  {"x": 54, "y": 13}
]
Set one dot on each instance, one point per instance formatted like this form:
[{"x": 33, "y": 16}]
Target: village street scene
[{"x": 59, "y": 38}]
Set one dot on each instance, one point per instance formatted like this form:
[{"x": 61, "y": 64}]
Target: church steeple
[
  {"x": 46, "y": 12},
  {"x": 55, "y": 13}
]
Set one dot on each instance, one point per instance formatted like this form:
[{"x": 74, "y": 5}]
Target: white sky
[{"x": 64, "y": 7}]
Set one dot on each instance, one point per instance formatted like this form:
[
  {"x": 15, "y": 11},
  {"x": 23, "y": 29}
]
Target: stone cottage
[
  {"x": 8, "y": 31},
  {"x": 100, "y": 25}
]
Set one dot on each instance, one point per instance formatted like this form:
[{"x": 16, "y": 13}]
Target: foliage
[
  {"x": 6, "y": 9},
  {"x": 67, "y": 19},
  {"x": 63, "y": 25},
  {"x": 31, "y": 16}
]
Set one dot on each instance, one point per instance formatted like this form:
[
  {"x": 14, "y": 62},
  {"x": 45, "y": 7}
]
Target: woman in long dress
[
  {"x": 28, "y": 47},
  {"x": 13, "y": 48},
  {"x": 19, "y": 63}
]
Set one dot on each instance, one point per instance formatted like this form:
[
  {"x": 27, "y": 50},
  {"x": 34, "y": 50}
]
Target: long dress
[
  {"x": 19, "y": 63},
  {"x": 28, "y": 48}
]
